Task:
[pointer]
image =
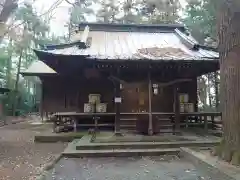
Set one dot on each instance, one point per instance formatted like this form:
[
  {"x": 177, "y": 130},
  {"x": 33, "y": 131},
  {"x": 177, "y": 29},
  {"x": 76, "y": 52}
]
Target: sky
[{"x": 61, "y": 16}]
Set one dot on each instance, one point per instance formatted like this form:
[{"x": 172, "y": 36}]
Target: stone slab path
[{"x": 139, "y": 168}]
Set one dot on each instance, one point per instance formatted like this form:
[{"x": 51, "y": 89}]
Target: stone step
[
  {"x": 144, "y": 145},
  {"x": 119, "y": 152}
]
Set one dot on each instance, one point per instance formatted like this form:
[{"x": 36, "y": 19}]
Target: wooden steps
[
  {"x": 165, "y": 125},
  {"x": 128, "y": 123}
]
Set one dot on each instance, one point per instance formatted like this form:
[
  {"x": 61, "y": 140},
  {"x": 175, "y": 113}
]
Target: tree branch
[
  {"x": 70, "y": 2},
  {"x": 53, "y": 7}
]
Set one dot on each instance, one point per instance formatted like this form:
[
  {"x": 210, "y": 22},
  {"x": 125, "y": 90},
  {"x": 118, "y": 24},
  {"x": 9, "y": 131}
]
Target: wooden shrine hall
[{"x": 124, "y": 77}]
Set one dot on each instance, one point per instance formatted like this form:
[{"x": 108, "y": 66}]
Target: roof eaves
[
  {"x": 113, "y": 27},
  {"x": 210, "y": 48}
]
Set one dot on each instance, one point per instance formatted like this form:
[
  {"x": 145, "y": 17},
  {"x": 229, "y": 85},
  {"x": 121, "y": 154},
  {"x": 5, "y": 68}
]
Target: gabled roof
[
  {"x": 38, "y": 67},
  {"x": 136, "y": 42}
]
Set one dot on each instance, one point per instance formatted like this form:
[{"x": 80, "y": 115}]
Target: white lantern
[
  {"x": 155, "y": 89},
  {"x": 121, "y": 86}
]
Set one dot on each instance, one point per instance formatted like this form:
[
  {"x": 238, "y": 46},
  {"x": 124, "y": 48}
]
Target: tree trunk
[
  {"x": 216, "y": 87},
  {"x": 9, "y": 65},
  {"x": 209, "y": 90},
  {"x": 229, "y": 47},
  {"x": 6, "y": 8},
  {"x": 15, "y": 101}
]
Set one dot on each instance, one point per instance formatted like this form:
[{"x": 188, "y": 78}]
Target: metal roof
[{"x": 138, "y": 45}]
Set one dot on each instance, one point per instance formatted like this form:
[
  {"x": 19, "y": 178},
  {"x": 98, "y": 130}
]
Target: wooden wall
[{"x": 69, "y": 95}]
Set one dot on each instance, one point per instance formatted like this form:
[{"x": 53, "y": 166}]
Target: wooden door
[{"x": 134, "y": 97}]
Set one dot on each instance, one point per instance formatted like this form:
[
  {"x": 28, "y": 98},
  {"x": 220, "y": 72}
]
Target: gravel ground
[
  {"x": 20, "y": 157},
  {"x": 145, "y": 168}
]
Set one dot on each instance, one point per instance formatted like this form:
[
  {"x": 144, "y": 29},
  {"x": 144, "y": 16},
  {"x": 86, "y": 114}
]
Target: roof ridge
[
  {"x": 192, "y": 43},
  {"x": 187, "y": 41},
  {"x": 62, "y": 45}
]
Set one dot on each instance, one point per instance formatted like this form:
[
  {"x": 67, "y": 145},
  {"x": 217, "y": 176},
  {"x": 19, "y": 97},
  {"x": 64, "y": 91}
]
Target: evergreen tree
[
  {"x": 160, "y": 11},
  {"x": 130, "y": 10},
  {"x": 201, "y": 19},
  {"x": 79, "y": 11},
  {"x": 109, "y": 11}
]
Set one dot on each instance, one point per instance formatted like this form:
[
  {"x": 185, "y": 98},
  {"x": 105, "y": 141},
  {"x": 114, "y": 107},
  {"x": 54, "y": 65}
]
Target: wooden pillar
[
  {"x": 212, "y": 119},
  {"x": 117, "y": 107},
  {"x": 205, "y": 123},
  {"x": 176, "y": 109},
  {"x": 150, "y": 123},
  {"x": 41, "y": 102},
  {"x": 55, "y": 119},
  {"x": 74, "y": 124}
]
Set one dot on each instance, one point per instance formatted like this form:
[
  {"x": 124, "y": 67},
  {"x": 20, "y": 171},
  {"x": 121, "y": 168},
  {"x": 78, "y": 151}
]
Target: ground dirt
[{"x": 20, "y": 157}]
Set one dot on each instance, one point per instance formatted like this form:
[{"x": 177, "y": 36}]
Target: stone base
[
  {"x": 118, "y": 134},
  {"x": 150, "y": 132}
]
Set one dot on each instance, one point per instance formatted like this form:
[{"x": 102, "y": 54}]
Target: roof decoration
[
  {"x": 162, "y": 52},
  {"x": 80, "y": 40}
]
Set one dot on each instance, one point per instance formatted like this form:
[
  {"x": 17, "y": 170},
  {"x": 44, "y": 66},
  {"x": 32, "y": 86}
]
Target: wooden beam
[
  {"x": 150, "y": 125},
  {"x": 174, "y": 82},
  {"x": 113, "y": 78}
]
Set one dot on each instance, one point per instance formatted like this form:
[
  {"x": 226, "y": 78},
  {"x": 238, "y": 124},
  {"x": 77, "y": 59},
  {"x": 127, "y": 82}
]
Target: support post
[
  {"x": 41, "y": 102},
  {"x": 205, "y": 124},
  {"x": 74, "y": 124},
  {"x": 176, "y": 109},
  {"x": 150, "y": 123},
  {"x": 212, "y": 119},
  {"x": 117, "y": 108},
  {"x": 55, "y": 119}
]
